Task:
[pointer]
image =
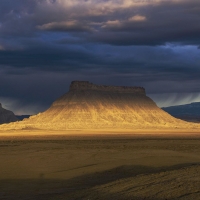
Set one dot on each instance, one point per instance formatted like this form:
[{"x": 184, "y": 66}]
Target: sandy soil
[{"x": 103, "y": 166}]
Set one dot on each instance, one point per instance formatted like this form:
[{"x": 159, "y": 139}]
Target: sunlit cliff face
[{"x": 89, "y": 106}]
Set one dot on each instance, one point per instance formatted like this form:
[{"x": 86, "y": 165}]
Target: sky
[{"x": 46, "y": 44}]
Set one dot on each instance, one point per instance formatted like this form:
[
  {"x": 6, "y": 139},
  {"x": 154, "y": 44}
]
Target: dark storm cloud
[
  {"x": 16, "y": 18},
  {"x": 155, "y": 25},
  {"x": 121, "y": 22},
  {"x": 136, "y": 23},
  {"x": 156, "y": 62},
  {"x": 112, "y": 22},
  {"x": 45, "y": 44},
  {"x": 51, "y": 59}
]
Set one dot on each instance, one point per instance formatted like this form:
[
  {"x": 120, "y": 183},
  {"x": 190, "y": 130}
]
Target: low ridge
[
  {"x": 188, "y": 112},
  {"x": 6, "y": 116},
  {"x": 90, "y": 106}
]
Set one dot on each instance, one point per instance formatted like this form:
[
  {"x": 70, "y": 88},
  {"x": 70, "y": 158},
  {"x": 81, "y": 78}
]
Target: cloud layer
[{"x": 45, "y": 44}]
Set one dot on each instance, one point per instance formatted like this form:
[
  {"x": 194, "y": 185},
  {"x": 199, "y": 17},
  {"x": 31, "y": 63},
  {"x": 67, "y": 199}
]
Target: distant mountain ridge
[
  {"x": 21, "y": 117},
  {"x": 6, "y": 116},
  {"x": 188, "y": 112}
]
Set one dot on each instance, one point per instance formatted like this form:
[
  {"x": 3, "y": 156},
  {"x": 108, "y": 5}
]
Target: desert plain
[
  {"x": 100, "y": 142},
  {"x": 151, "y": 165}
]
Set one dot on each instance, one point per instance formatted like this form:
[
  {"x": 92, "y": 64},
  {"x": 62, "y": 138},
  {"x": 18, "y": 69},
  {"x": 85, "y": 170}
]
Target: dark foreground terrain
[{"x": 100, "y": 167}]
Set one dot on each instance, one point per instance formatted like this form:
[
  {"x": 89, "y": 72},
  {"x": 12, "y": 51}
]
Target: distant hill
[
  {"x": 21, "y": 117},
  {"x": 6, "y": 116},
  {"x": 188, "y": 112}
]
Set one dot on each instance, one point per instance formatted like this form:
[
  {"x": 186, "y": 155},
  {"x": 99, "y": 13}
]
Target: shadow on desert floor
[{"x": 121, "y": 183}]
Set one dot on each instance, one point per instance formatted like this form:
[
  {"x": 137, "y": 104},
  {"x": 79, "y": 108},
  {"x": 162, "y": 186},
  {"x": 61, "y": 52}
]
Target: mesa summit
[{"x": 89, "y": 106}]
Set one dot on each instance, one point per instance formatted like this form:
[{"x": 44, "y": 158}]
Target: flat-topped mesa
[{"x": 86, "y": 85}]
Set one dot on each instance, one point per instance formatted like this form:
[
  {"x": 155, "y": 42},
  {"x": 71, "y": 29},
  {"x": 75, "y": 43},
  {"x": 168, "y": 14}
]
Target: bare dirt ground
[{"x": 112, "y": 166}]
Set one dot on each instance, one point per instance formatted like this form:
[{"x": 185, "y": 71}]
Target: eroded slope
[{"x": 89, "y": 106}]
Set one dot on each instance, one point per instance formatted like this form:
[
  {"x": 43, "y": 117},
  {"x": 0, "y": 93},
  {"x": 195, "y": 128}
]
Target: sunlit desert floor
[{"x": 102, "y": 166}]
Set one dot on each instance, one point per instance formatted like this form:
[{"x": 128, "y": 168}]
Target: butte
[{"x": 88, "y": 106}]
